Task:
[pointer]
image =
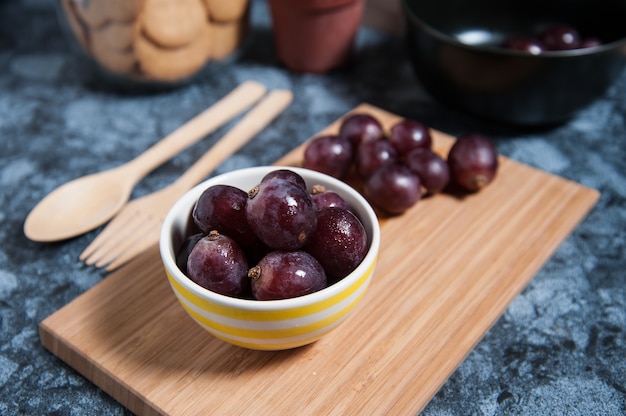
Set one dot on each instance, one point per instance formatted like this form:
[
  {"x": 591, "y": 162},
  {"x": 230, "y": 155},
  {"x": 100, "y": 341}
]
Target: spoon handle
[
  {"x": 249, "y": 126},
  {"x": 238, "y": 100}
]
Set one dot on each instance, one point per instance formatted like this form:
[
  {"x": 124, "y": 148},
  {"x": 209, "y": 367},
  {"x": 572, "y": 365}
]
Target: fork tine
[
  {"x": 122, "y": 243},
  {"x": 140, "y": 216},
  {"x": 146, "y": 242},
  {"x": 116, "y": 230}
]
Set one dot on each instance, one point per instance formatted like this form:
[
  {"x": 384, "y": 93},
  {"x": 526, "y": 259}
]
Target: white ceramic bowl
[{"x": 274, "y": 324}]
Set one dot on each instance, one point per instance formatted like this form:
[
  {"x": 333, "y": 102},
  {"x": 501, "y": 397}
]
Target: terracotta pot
[{"x": 315, "y": 35}]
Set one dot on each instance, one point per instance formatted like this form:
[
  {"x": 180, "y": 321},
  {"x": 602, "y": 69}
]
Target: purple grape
[
  {"x": 281, "y": 214},
  {"x": 324, "y": 198},
  {"x": 286, "y": 274},
  {"x": 339, "y": 242},
  {"x": 185, "y": 249},
  {"x": 560, "y": 37},
  {"x": 361, "y": 127},
  {"x": 372, "y": 154},
  {"x": 407, "y": 135},
  {"x": 217, "y": 263},
  {"x": 473, "y": 161},
  {"x": 393, "y": 188},
  {"x": 286, "y": 174},
  {"x": 431, "y": 168},
  {"x": 329, "y": 154},
  {"x": 524, "y": 44},
  {"x": 222, "y": 208}
]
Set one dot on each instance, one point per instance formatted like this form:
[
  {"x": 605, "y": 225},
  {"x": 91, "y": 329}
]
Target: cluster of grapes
[
  {"x": 299, "y": 241},
  {"x": 399, "y": 166},
  {"x": 557, "y": 37}
]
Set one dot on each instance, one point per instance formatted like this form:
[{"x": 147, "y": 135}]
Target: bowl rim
[
  {"x": 442, "y": 36},
  {"x": 186, "y": 202}
]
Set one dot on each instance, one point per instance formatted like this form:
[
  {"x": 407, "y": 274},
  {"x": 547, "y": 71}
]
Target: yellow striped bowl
[{"x": 274, "y": 324}]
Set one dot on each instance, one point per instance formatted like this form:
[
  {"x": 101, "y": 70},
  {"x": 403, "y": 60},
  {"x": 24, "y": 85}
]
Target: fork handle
[
  {"x": 238, "y": 100},
  {"x": 251, "y": 124}
]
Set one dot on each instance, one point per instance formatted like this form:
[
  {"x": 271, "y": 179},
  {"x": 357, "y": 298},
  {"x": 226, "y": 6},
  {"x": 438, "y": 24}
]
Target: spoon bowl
[{"x": 89, "y": 200}]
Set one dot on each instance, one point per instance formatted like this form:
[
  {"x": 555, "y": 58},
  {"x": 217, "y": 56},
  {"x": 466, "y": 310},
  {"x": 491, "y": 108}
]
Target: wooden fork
[{"x": 137, "y": 226}]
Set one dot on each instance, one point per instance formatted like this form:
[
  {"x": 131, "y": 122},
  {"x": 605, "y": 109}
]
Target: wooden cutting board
[{"x": 447, "y": 270}]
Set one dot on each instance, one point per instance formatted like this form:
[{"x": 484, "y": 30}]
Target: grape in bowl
[
  {"x": 268, "y": 324},
  {"x": 457, "y": 52}
]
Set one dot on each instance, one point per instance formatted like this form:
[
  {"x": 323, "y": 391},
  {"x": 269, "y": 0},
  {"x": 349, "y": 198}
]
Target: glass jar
[{"x": 156, "y": 41}]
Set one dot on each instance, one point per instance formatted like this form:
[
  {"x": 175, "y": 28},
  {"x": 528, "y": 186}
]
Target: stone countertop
[{"x": 558, "y": 349}]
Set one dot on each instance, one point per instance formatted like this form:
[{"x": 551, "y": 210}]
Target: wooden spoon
[{"x": 88, "y": 202}]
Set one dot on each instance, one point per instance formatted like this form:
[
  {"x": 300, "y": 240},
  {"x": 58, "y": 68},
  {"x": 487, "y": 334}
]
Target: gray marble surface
[{"x": 559, "y": 349}]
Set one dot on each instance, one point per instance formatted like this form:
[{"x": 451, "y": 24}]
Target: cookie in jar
[{"x": 156, "y": 41}]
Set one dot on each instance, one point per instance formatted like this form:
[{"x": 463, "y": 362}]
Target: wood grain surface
[{"x": 447, "y": 270}]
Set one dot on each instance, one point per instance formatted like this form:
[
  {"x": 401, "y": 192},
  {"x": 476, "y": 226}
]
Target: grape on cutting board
[{"x": 399, "y": 166}]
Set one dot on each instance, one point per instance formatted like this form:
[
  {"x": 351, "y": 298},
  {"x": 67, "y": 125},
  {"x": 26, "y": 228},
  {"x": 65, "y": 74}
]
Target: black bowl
[{"x": 455, "y": 47}]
